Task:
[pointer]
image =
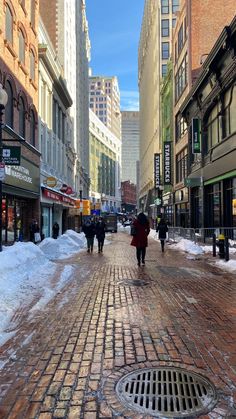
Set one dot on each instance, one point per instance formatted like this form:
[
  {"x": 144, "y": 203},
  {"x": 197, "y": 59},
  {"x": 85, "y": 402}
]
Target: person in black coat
[
  {"x": 162, "y": 229},
  {"x": 55, "y": 230},
  {"x": 34, "y": 228},
  {"x": 100, "y": 233},
  {"x": 89, "y": 230}
]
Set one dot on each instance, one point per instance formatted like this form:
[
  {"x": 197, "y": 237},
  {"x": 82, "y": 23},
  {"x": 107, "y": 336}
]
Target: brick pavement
[{"x": 64, "y": 362}]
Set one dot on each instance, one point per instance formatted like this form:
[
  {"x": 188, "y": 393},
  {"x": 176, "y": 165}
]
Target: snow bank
[
  {"x": 65, "y": 246},
  {"x": 125, "y": 229},
  {"x": 228, "y": 266}
]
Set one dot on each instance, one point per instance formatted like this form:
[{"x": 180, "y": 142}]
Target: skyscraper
[
  {"x": 104, "y": 101},
  {"x": 130, "y": 145}
]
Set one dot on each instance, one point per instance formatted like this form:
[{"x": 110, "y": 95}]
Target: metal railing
[{"x": 202, "y": 235}]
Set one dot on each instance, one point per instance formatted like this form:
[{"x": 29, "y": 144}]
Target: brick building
[
  {"x": 198, "y": 25},
  {"x": 128, "y": 196},
  {"x": 19, "y": 77}
]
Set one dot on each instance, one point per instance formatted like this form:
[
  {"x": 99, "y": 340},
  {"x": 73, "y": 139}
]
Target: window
[
  {"x": 181, "y": 78},
  {"x": 165, "y": 7},
  {"x": 21, "y": 118},
  {"x": 21, "y": 47},
  {"x": 9, "y": 105},
  {"x": 165, "y": 50},
  {"x": 229, "y": 125},
  {"x": 213, "y": 128},
  {"x": 181, "y": 166},
  {"x": 32, "y": 128},
  {"x": 32, "y": 13},
  {"x": 180, "y": 127},
  {"x": 180, "y": 39},
  {"x": 173, "y": 22},
  {"x": 9, "y": 25},
  {"x": 32, "y": 65},
  {"x": 164, "y": 70},
  {"x": 165, "y": 31},
  {"x": 175, "y": 6}
]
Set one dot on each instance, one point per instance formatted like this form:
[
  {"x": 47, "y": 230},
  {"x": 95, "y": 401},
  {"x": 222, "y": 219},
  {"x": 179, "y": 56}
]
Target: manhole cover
[
  {"x": 133, "y": 283},
  {"x": 166, "y": 392}
]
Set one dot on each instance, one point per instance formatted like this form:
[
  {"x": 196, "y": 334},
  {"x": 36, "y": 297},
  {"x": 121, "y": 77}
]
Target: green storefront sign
[
  {"x": 11, "y": 155},
  {"x": 26, "y": 176},
  {"x": 196, "y": 135}
]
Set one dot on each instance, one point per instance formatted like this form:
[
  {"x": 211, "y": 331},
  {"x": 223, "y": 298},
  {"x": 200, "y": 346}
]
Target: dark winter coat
[
  {"x": 89, "y": 230},
  {"x": 162, "y": 229},
  {"x": 142, "y": 231},
  {"x": 55, "y": 230},
  {"x": 100, "y": 230}
]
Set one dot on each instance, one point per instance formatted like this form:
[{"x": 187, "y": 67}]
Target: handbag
[
  {"x": 133, "y": 230},
  {"x": 37, "y": 237}
]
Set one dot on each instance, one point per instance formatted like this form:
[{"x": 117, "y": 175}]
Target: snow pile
[
  {"x": 22, "y": 274},
  {"x": 228, "y": 266},
  {"x": 188, "y": 246},
  {"x": 66, "y": 245},
  {"x": 125, "y": 229}
]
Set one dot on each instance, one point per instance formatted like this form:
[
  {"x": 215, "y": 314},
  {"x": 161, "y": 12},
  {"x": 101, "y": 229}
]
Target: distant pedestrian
[
  {"x": 55, "y": 230},
  {"x": 89, "y": 230},
  {"x": 34, "y": 232},
  {"x": 162, "y": 229},
  {"x": 140, "y": 230},
  {"x": 100, "y": 233}
]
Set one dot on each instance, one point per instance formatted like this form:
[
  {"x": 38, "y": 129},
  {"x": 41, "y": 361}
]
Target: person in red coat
[{"x": 140, "y": 231}]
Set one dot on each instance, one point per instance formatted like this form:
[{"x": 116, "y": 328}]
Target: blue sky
[{"x": 114, "y": 29}]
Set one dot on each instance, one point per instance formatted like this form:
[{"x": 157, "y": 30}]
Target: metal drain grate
[
  {"x": 133, "y": 283},
  {"x": 166, "y": 392}
]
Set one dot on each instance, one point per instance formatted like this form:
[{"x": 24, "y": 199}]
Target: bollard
[
  {"x": 226, "y": 249},
  {"x": 214, "y": 245},
  {"x": 221, "y": 245}
]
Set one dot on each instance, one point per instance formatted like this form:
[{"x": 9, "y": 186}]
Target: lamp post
[{"x": 3, "y": 102}]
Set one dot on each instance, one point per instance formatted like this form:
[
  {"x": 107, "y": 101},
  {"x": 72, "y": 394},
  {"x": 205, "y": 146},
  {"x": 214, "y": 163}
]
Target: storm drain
[
  {"x": 166, "y": 392},
  {"x": 133, "y": 283}
]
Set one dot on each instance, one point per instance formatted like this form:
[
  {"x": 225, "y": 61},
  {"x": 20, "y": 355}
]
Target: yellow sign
[
  {"x": 234, "y": 206},
  {"x": 84, "y": 205},
  {"x": 50, "y": 181}
]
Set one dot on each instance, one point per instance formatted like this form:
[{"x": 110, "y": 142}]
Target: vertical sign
[
  {"x": 196, "y": 135},
  {"x": 157, "y": 170},
  {"x": 167, "y": 163}
]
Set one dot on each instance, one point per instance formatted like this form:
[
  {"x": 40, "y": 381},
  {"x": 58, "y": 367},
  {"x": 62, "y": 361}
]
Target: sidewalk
[{"x": 65, "y": 361}]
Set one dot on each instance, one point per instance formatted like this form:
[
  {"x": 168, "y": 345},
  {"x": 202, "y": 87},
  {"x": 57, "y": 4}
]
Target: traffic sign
[
  {"x": 2, "y": 171},
  {"x": 11, "y": 155}
]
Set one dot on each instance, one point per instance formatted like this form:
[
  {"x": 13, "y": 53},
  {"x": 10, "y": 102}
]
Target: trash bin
[{"x": 221, "y": 245}]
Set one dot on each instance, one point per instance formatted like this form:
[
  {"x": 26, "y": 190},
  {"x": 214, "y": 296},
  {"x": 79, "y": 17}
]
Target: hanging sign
[
  {"x": 167, "y": 162},
  {"x": 157, "y": 170},
  {"x": 196, "y": 135}
]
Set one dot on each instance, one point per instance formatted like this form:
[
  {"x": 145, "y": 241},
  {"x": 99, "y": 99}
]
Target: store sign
[
  {"x": 50, "y": 181},
  {"x": 26, "y": 176},
  {"x": 196, "y": 135},
  {"x": 167, "y": 163},
  {"x": 58, "y": 197},
  {"x": 157, "y": 170},
  {"x": 11, "y": 155},
  {"x": 193, "y": 182}
]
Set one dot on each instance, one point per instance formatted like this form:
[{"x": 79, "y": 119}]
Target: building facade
[
  {"x": 55, "y": 139},
  {"x": 105, "y": 163},
  {"x": 168, "y": 15},
  {"x": 128, "y": 197},
  {"x": 210, "y": 112},
  {"x": 104, "y": 101},
  {"x": 192, "y": 43},
  {"x": 130, "y": 145},
  {"x": 19, "y": 77}
]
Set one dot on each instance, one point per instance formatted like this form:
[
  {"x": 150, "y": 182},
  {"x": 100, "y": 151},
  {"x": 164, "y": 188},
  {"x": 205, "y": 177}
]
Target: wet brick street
[{"x": 112, "y": 318}]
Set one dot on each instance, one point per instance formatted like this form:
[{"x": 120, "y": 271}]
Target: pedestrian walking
[
  {"x": 55, "y": 230},
  {"x": 34, "y": 232},
  {"x": 140, "y": 230},
  {"x": 100, "y": 233},
  {"x": 89, "y": 230},
  {"x": 162, "y": 229}
]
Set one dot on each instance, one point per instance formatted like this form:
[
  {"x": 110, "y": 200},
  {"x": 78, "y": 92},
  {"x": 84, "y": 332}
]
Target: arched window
[
  {"x": 32, "y": 65},
  {"x": 21, "y": 47},
  {"x": 32, "y": 128},
  {"x": 21, "y": 118},
  {"x": 32, "y": 13},
  {"x": 9, "y": 105},
  {"x": 9, "y": 25}
]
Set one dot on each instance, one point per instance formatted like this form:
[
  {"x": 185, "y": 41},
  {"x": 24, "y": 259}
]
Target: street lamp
[{"x": 3, "y": 102}]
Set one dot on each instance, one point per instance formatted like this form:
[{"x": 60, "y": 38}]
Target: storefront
[
  {"x": 182, "y": 208},
  {"x": 20, "y": 200},
  {"x": 168, "y": 208},
  {"x": 55, "y": 207}
]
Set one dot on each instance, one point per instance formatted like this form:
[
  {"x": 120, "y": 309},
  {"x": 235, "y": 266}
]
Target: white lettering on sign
[
  {"x": 19, "y": 172},
  {"x": 167, "y": 163}
]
